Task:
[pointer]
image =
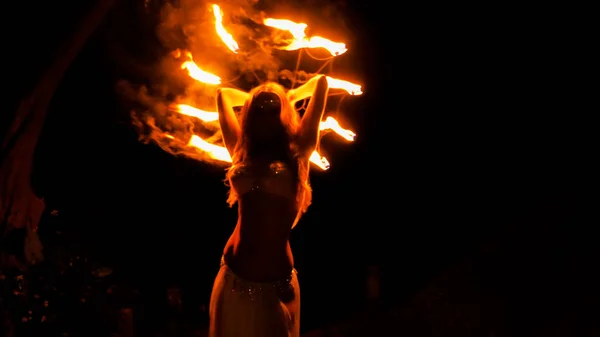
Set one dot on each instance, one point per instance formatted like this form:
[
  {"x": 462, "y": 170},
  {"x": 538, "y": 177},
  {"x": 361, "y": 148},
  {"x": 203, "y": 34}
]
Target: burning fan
[{"x": 181, "y": 126}]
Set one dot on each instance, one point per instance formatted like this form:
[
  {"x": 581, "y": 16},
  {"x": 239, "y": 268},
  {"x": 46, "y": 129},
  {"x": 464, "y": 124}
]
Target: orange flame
[
  {"x": 349, "y": 87},
  {"x": 331, "y": 124},
  {"x": 198, "y": 74},
  {"x": 214, "y": 151},
  {"x": 320, "y": 161},
  {"x": 223, "y": 34},
  {"x": 220, "y": 153},
  {"x": 301, "y": 40},
  {"x": 205, "y": 116}
]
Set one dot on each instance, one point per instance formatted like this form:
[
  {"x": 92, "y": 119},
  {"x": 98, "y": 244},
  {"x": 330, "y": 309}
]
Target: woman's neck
[
  {"x": 269, "y": 153},
  {"x": 267, "y": 159}
]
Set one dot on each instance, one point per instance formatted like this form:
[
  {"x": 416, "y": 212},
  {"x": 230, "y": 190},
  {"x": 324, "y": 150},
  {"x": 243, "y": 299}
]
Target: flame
[
  {"x": 198, "y": 74},
  {"x": 319, "y": 160},
  {"x": 205, "y": 116},
  {"x": 331, "y": 124},
  {"x": 197, "y": 144},
  {"x": 223, "y": 34},
  {"x": 220, "y": 153},
  {"x": 214, "y": 151},
  {"x": 349, "y": 87},
  {"x": 301, "y": 40}
]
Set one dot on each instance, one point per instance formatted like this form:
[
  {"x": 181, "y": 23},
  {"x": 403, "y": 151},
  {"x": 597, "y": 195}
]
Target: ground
[{"x": 536, "y": 278}]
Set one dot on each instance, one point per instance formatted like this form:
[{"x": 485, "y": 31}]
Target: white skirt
[{"x": 240, "y": 308}]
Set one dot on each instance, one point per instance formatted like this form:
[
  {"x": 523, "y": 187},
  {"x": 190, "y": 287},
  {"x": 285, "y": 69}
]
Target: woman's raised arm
[
  {"x": 227, "y": 98},
  {"x": 317, "y": 89}
]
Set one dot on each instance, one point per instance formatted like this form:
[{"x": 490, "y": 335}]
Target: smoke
[{"x": 189, "y": 25}]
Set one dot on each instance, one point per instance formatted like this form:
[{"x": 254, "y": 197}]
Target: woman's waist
[
  {"x": 261, "y": 210},
  {"x": 284, "y": 287},
  {"x": 259, "y": 261}
]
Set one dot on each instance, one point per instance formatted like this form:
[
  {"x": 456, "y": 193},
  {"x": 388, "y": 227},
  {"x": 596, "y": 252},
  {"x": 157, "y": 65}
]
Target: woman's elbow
[
  {"x": 219, "y": 96},
  {"x": 322, "y": 81},
  {"x": 322, "y": 87}
]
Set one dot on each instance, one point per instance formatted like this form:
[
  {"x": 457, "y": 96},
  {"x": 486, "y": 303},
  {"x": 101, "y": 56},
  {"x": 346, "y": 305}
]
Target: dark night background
[{"x": 466, "y": 178}]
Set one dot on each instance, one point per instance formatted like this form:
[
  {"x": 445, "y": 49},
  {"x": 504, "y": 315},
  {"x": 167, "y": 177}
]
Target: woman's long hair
[{"x": 284, "y": 144}]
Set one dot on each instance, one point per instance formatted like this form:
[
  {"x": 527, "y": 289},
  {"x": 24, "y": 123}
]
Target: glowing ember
[{"x": 223, "y": 34}]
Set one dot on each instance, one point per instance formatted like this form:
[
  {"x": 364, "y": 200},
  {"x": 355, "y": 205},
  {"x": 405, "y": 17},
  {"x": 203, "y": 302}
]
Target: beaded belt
[{"x": 284, "y": 289}]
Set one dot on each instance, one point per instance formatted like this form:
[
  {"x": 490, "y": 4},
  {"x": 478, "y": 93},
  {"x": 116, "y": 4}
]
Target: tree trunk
[{"x": 19, "y": 206}]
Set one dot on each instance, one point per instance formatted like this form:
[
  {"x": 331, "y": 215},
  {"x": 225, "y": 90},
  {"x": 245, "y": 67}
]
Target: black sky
[{"x": 461, "y": 130}]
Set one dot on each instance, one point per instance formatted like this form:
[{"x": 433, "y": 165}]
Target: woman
[{"x": 256, "y": 292}]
